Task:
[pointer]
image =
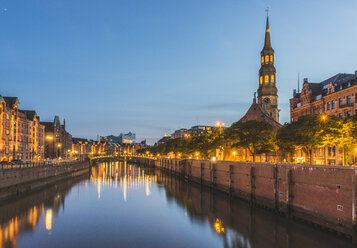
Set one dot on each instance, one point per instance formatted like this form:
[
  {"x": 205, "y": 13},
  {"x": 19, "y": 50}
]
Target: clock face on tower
[{"x": 266, "y": 100}]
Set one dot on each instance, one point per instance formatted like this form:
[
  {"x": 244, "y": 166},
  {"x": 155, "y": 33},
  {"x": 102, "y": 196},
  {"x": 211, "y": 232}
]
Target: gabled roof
[
  {"x": 257, "y": 113},
  {"x": 11, "y": 101},
  {"x": 30, "y": 114}
]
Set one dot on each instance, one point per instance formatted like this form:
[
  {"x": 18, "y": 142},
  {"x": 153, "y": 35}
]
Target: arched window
[
  {"x": 267, "y": 59},
  {"x": 261, "y": 80},
  {"x": 266, "y": 79},
  {"x": 272, "y": 80},
  {"x": 262, "y": 59},
  {"x": 271, "y": 58}
]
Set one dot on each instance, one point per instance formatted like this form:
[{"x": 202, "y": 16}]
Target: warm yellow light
[
  {"x": 196, "y": 153},
  {"x": 323, "y": 117},
  {"x": 48, "y": 219},
  {"x": 49, "y": 137},
  {"x": 59, "y": 145},
  {"x": 234, "y": 153},
  {"x": 213, "y": 158}
]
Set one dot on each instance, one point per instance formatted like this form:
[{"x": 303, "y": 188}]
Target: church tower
[{"x": 267, "y": 91}]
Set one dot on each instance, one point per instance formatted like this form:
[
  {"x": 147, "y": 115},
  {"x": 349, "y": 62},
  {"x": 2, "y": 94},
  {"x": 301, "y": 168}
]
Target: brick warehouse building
[
  {"x": 21, "y": 134},
  {"x": 333, "y": 96},
  {"x": 58, "y": 142}
]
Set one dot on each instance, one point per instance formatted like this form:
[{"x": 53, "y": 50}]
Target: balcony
[{"x": 346, "y": 105}]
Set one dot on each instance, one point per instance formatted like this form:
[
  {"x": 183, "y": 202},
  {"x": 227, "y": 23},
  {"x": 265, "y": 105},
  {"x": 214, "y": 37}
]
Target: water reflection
[
  {"x": 129, "y": 206},
  {"x": 23, "y": 215},
  {"x": 239, "y": 224},
  {"x": 127, "y": 177}
]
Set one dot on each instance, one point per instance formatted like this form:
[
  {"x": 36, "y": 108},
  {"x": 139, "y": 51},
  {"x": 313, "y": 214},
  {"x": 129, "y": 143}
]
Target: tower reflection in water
[{"x": 129, "y": 177}]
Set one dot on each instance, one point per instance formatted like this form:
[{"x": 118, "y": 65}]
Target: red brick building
[
  {"x": 58, "y": 142},
  {"x": 333, "y": 96},
  {"x": 21, "y": 134}
]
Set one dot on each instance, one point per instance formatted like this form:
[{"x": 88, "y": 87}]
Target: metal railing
[{"x": 37, "y": 164}]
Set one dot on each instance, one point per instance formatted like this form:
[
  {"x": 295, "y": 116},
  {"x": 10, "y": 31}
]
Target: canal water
[{"x": 123, "y": 205}]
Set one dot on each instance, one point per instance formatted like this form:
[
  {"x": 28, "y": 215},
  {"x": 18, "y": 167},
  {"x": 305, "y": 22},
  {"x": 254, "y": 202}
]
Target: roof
[
  {"x": 11, "y": 101},
  {"x": 257, "y": 113},
  {"x": 30, "y": 114}
]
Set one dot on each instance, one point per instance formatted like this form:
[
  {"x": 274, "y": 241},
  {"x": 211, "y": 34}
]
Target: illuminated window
[
  {"x": 267, "y": 59},
  {"x": 262, "y": 59},
  {"x": 267, "y": 79},
  {"x": 272, "y": 79},
  {"x": 261, "y": 80},
  {"x": 271, "y": 58}
]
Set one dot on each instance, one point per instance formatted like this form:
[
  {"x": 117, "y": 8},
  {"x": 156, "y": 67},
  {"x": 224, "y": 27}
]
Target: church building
[{"x": 265, "y": 108}]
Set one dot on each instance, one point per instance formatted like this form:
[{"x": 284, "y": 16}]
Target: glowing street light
[
  {"x": 220, "y": 125},
  {"x": 323, "y": 117}
]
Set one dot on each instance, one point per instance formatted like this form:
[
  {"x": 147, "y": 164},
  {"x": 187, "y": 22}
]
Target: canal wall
[
  {"x": 323, "y": 195},
  {"x": 19, "y": 181}
]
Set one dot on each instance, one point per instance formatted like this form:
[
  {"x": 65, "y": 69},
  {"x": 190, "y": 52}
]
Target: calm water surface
[{"x": 123, "y": 205}]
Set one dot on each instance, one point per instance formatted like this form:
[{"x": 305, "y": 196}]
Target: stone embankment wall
[
  {"x": 323, "y": 195},
  {"x": 15, "y": 182}
]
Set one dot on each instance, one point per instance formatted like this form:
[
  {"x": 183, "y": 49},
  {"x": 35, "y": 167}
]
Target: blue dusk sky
[{"x": 153, "y": 66}]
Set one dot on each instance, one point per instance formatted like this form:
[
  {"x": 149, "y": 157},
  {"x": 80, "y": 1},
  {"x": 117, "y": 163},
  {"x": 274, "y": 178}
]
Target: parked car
[{"x": 18, "y": 161}]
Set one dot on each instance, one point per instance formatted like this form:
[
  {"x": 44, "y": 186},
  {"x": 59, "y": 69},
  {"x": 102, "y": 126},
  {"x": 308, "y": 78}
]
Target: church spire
[
  {"x": 267, "y": 91},
  {"x": 267, "y": 43}
]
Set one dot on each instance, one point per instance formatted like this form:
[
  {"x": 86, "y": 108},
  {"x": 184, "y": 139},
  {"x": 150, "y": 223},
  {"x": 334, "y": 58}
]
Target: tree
[
  {"x": 256, "y": 136},
  {"x": 340, "y": 133},
  {"x": 286, "y": 138}
]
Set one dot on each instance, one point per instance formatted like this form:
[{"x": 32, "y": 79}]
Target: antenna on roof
[{"x": 298, "y": 82}]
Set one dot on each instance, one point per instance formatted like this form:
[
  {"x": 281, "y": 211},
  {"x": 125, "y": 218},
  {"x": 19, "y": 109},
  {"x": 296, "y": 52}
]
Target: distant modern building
[
  {"x": 333, "y": 96},
  {"x": 128, "y": 138},
  {"x": 58, "y": 142},
  {"x": 181, "y": 133},
  {"x": 203, "y": 130}
]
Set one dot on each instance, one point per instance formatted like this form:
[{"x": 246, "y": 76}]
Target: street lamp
[
  {"x": 220, "y": 125},
  {"x": 323, "y": 117}
]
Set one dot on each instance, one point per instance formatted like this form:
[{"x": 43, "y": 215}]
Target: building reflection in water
[
  {"x": 127, "y": 177},
  {"x": 239, "y": 224},
  {"x": 24, "y": 215}
]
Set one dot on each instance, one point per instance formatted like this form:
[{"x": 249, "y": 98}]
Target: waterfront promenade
[{"x": 16, "y": 180}]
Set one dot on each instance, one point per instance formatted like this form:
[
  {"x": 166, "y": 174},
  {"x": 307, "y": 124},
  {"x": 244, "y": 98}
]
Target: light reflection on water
[{"x": 123, "y": 205}]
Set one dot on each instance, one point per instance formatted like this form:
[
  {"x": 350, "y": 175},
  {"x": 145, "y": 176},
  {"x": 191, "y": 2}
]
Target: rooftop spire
[{"x": 267, "y": 43}]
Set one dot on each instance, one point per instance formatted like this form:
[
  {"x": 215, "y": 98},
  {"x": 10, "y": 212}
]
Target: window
[
  {"x": 340, "y": 115},
  {"x": 330, "y": 91},
  {"x": 267, "y": 59},
  {"x": 262, "y": 59},
  {"x": 272, "y": 78},
  {"x": 328, "y": 106},
  {"x": 333, "y": 105},
  {"x": 348, "y": 100},
  {"x": 267, "y": 79},
  {"x": 340, "y": 101},
  {"x": 261, "y": 80},
  {"x": 271, "y": 58},
  {"x": 348, "y": 113}
]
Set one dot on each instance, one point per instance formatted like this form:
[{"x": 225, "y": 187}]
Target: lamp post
[
  {"x": 50, "y": 139},
  {"x": 220, "y": 125}
]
